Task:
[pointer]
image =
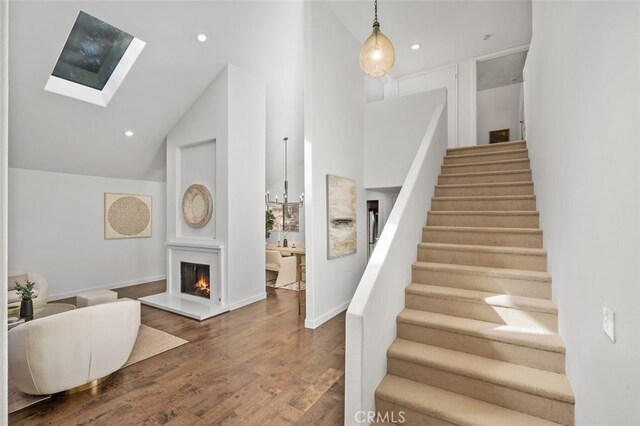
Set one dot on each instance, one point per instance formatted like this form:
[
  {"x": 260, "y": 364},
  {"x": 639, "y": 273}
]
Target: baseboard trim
[
  {"x": 315, "y": 323},
  {"x": 249, "y": 300},
  {"x": 58, "y": 296}
]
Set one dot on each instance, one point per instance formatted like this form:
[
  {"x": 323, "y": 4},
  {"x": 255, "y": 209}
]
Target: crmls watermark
[{"x": 377, "y": 416}]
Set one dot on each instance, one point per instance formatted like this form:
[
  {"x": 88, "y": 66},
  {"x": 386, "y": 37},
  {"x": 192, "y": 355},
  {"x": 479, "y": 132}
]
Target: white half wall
[
  {"x": 393, "y": 131},
  {"x": 498, "y": 108},
  {"x": 334, "y": 116},
  {"x": 582, "y": 86},
  {"x": 56, "y": 228}
]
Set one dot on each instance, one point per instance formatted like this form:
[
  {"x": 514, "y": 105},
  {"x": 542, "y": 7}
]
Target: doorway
[
  {"x": 372, "y": 225},
  {"x": 499, "y": 96}
]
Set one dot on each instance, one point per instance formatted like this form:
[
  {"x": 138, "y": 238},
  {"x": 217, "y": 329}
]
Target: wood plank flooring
[{"x": 257, "y": 365}]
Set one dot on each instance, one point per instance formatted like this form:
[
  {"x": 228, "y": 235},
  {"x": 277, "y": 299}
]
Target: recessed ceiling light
[
  {"x": 201, "y": 37},
  {"x": 415, "y": 46},
  {"x": 128, "y": 133}
]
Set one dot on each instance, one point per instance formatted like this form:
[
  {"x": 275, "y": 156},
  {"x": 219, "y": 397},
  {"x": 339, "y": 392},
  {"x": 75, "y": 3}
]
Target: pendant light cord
[{"x": 375, "y": 13}]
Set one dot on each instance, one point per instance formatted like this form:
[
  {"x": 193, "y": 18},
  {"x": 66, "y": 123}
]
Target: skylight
[{"x": 94, "y": 61}]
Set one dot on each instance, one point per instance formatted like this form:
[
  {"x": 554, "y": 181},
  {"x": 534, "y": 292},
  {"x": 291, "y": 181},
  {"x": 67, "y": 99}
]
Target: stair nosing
[
  {"x": 488, "y": 173},
  {"x": 500, "y": 337},
  {"x": 484, "y": 198},
  {"x": 448, "y": 416},
  {"x": 485, "y": 184},
  {"x": 482, "y": 229},
  {"x": 486, "y": 147},
  {"x": 486, "y": 212},
  {"x": 483, "y": 248},
  {"x": 488, "y": 152},
  {"x": 487, "y": 375},
  {"x": 479, "y": 297},
  {"x": 517, "y": 274},
  {"x": 487, "y": 163}
]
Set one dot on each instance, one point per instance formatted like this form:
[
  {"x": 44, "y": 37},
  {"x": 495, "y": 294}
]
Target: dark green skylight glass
[{"x": 92, "y": 52}]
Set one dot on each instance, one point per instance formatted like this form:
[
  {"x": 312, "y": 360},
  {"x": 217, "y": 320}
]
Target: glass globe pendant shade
[{"x": 377, "y": 54}]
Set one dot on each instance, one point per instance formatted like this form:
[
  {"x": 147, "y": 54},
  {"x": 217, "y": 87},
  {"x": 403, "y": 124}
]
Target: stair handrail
[{"x": 379, "y": 297}]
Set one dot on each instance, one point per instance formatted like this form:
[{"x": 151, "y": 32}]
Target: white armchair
[
  {"x": 284, "y": 266},
  {"x": 41, "y": 287},
  {"x": 70, "y": 349}
]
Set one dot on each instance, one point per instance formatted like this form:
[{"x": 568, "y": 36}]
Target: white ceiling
[
  {"x": 56, "y": 133},
  {"x": 52, "y": 132},
  {"x": 448, "y": 31},
  {"x": 501, "y": 71}
]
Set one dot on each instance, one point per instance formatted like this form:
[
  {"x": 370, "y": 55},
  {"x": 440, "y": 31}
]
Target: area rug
[{"x": 150, "y": 342}]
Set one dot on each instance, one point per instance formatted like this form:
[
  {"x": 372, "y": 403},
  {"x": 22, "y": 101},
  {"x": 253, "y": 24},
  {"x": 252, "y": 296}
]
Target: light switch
[{"x": 608, "y": 323}]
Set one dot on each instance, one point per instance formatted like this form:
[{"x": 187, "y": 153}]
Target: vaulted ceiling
[{"x": 55, "y": 133}]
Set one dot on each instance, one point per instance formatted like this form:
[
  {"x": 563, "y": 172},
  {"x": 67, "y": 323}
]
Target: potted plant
[
  {"x": 26, "y": 294},
  {"x": 269, "y": 220}
]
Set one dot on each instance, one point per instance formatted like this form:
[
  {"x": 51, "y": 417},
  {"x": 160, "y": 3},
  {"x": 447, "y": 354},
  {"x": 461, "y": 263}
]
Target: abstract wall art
[
  {"x": 127, "y": 216},
  {"x": 341, "y": 217}
]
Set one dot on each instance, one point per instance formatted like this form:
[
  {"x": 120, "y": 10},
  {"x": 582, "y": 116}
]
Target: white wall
[
  {"x": 334, "y": 115},
  {"x": 4, "y": 120},
  {"x": 393, "y": 130},
  {"x": 230, "y": 111},
  {"x": 582, "y": 86},
  {"x": 56, "y": 227},
  {"x": 498, "y": 108}
]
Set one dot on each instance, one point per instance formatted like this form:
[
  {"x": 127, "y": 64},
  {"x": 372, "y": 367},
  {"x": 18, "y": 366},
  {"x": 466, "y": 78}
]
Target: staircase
[{"x": 477, "y": 341}]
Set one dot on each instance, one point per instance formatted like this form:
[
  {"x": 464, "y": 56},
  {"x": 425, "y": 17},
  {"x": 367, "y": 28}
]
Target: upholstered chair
[{"x": 284, "y": 266}]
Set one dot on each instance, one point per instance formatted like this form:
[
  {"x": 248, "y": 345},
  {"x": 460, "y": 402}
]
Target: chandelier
[{"x": 288, "y": 207}]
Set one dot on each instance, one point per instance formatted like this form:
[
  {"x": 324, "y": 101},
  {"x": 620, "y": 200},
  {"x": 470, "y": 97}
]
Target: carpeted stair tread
[
  {"x": 521, "y": 144},
  {"x": 484, "y": 185},
  {"x": 535, "y": 339},
  {"x": 486, "y": 153},
  {"x": 485, "y": 198},
  {"x": 485, "y": 163},
  {"x": 484, "y": 271},
  {"x": 541, "y": 383},
  {"x": 531, "y": 304},
  {"x": 490, "y": 173},
  {"x": 451, "y": 407},
  {"x": 485, "y": 249},
  {"x": 486, "y": 212},
  {"x": 483, "y": 229}
]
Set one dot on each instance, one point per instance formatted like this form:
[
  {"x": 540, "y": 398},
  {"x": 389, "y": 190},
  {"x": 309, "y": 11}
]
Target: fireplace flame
[{"x": 203, "y": 285}]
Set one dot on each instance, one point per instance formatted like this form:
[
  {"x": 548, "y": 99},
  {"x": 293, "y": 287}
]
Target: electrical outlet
[{"x": 608, "y": 323}]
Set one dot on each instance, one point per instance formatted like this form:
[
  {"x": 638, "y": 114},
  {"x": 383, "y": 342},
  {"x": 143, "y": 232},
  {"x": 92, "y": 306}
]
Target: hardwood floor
[{"x": 254, "y": 366}]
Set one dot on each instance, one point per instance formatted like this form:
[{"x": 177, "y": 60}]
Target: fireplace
[{"x": 195, "y": 279}]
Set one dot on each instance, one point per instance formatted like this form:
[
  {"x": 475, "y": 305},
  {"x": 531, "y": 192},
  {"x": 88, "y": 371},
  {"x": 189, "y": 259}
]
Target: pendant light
[{"x": 377, "y": 55}]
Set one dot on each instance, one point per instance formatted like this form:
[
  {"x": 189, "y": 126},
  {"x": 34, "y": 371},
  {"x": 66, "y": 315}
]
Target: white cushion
[
  {"x": 95, "y": 297},
  {"x": 21, "y": 278}
]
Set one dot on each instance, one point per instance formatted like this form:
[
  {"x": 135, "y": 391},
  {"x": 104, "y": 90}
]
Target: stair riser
[
  {"x": 411, "y": 417},
  {"x": 445, "y": 179},
  {"x": 496, "y": 167},
  {"x": 483, "y": 312},
  {"x": 502, "y": 239},
  {"x": 484, "y": 205},
  {"x": 526, "y": 288},
  {"x": 479, "y": 258},
  {"x": 515, "y": 354},
  {"x": 549, "y": 409},
  {"x": 486, "y": 148},
  {"x": 484, "y": 191},
  {"x": 499, "y": 221},
  {"x": 498, "y": 156}
]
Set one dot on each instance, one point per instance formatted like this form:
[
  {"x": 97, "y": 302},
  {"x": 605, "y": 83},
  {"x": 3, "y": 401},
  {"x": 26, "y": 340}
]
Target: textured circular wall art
[
  {"x": 127, "y": 216},
  {"x": 197, "y": 206}
]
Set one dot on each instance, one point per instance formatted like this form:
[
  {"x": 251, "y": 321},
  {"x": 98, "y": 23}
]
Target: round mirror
[{"x": 197, "y": 206}]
